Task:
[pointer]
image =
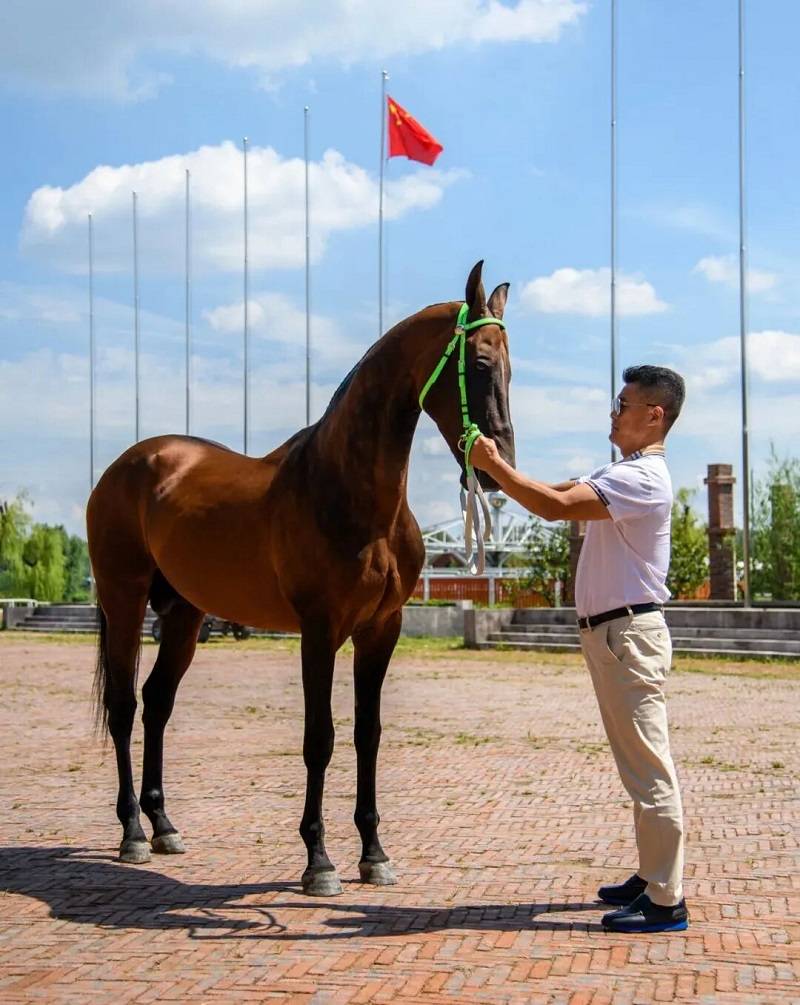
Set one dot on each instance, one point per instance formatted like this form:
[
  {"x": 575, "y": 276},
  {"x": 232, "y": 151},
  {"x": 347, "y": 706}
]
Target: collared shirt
[{"x": 625, "y": 560}]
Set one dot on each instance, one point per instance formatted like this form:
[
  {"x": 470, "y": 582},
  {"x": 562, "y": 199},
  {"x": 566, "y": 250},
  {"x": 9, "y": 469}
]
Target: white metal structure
[{"x": 511, "y": 537}]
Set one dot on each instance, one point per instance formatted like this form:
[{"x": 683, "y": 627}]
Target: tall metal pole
[
  {"x": 246, "y": 294},
  {"x": 384, "y": 78},
  {"x": 613, "y": 332},
  {"x": 188, "y": 304},
  {"x": 308, "y": 273},
  {"x": 136, "y": 319},
  {"x": 743, "y": 323},
  {"x": 91, "y": 356}
]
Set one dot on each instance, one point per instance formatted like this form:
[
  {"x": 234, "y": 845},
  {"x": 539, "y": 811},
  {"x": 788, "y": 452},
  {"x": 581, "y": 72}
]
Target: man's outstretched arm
[{"x": 565, "y": 501}]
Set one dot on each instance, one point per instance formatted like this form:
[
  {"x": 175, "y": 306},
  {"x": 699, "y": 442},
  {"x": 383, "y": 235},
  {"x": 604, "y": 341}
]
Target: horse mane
[{"x": 393, "y": 332}]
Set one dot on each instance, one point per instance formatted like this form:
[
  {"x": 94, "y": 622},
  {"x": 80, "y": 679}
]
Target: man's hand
[
  {"x": 485, "y": 455},
  {"x": 567, "y": 501}
]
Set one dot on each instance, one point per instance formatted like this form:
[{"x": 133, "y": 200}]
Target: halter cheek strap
[
  {"x": 469, "y": 500},
  {"x": 471, "y": 430}
]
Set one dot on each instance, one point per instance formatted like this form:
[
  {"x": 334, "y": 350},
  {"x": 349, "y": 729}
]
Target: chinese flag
[{"x": 407, "y": 138}]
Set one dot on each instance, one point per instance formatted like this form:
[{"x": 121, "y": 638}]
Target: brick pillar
[
  {"x": 721, "y": 531},
  {"x": 577, "y": 530}
]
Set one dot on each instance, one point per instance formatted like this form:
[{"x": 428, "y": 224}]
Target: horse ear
[
  {"x": 497, "y": 301},
  {"x": 475, "y": 295}
]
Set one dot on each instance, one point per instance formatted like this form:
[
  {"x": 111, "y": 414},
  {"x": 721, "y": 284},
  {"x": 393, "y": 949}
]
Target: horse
[{"x": 316, "y": 537}]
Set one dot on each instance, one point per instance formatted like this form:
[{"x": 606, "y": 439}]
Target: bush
[
  {"x": 775, "y": 531},
  {"x": 547, "y": 559},
  {"x": 688, "y": 566}
]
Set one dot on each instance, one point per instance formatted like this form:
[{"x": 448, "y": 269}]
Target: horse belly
[{"x": 229, "y": 577}]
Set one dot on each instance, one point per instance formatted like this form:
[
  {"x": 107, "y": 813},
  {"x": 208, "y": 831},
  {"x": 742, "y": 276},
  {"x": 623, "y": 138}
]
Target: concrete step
[
  {"x": 544, "y": 647},
  {"x": 713, "y": 650},
  {"x": 510, "y": 637},
  {"x": 738, "y": 643},
  {"x": 768, "y": 619},
  {"x": 751, "y": 634}
]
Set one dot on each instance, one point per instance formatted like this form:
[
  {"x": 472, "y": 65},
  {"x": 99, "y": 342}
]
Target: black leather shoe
[
  {"x": 623, "y": 893},
  {"x": 645, "y": 916}
]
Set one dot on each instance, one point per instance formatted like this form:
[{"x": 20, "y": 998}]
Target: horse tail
[{"x": 102, "y": 679}]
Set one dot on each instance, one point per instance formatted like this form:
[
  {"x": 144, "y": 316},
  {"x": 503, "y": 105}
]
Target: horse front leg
[
  {"x": 318, "y": 654},
  {"x": 373, "y": 650}
]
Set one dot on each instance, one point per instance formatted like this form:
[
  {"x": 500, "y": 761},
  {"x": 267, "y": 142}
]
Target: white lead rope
[{"x": 471, "y": 514}]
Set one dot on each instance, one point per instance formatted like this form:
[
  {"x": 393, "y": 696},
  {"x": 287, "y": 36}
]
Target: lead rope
[{"x": 474, "y": 497}]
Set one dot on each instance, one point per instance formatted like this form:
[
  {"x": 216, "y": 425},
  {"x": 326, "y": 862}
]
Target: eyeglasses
[{"x": 619, "y": 404}]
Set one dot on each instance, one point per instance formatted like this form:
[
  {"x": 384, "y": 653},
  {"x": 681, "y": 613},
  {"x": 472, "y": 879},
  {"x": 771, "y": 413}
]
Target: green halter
[{"x": 471, "y": 431}]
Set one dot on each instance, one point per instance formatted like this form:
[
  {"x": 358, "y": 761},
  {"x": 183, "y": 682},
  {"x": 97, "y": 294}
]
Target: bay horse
[{"x": 315, "y": 537}]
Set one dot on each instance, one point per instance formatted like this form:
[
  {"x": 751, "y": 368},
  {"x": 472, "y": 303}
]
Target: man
[{"x": 619, "y": 592}]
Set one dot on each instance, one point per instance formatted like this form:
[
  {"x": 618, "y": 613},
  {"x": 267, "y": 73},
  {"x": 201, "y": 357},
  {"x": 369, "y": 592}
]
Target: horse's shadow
[{"x": 88, "y": 887}]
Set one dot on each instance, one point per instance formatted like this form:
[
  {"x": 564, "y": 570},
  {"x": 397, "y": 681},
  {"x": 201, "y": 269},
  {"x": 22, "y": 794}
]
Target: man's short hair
[{"x": 663, "y": 386}]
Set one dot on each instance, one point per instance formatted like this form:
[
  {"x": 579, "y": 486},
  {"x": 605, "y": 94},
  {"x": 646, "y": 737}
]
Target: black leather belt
[{"x": 618, "y": 612}]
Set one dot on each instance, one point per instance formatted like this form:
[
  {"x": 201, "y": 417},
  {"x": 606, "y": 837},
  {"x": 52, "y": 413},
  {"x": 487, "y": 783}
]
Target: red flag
[{"x": 407, "y": 138}]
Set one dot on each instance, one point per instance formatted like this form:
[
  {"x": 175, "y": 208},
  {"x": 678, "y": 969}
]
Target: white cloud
[
  {"x": 434, "y": 446},
  {"x": 587, "y": 292},
  {"x": 694, "y": 218},
  {"x": 554, "y": 411},
  {"x": 343, "y": 196},
  {"x": 725, "y": 269},
  {"x": 92, "y": 48},
  {"x": 275, "y": 318},
  {"x": 772, "y": 356}
]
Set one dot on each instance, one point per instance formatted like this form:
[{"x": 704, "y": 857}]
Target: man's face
[{"x": 637, "y": 421}]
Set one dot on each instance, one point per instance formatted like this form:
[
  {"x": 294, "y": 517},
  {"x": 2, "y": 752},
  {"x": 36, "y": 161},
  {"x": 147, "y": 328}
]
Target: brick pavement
[{"x": 501, "y": 811}]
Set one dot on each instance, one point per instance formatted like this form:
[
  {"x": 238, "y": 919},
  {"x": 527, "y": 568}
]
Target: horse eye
[{"x": 482, "y": 363}]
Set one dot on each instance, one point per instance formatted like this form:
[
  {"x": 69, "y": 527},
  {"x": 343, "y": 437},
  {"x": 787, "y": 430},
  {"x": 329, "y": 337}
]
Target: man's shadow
[{"x": 89, "y": 887}]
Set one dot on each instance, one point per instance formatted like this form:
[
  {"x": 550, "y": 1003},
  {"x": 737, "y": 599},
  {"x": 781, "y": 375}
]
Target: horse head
[{"x": 487, "y": 374}]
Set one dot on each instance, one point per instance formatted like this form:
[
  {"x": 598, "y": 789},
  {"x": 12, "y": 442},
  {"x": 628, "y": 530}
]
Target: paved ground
[{"x": 501, "y": 811}]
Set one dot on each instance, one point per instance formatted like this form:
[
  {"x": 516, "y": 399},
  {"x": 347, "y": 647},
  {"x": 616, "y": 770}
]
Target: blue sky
[{"x": 102, "y": 98}]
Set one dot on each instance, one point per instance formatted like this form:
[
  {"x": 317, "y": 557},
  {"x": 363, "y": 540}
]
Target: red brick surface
[{"x": 501, "y": 811}]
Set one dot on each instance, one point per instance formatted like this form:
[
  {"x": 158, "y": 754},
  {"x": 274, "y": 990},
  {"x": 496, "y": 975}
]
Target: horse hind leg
[
  {"x": 121, "y": 612},
  {"x": 180, "y": 625}
]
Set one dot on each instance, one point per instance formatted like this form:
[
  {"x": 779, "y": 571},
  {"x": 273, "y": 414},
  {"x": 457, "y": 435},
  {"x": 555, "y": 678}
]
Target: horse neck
[{"x": 367, "y": 432}]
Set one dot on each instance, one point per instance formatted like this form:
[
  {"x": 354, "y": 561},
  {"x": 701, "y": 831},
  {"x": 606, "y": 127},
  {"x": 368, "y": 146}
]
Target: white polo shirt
[{"x": 625, "y": 560}]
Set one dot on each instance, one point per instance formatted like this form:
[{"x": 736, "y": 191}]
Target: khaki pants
[{"x": 629, "y": 659}]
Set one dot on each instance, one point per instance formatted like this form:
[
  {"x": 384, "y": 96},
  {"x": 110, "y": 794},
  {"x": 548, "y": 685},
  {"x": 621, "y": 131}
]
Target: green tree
[
  {"x": 43, "y": 563},
  {"x": 547, "y": 558},
  {"x": 775, "y": 531},
  {"x": 688, "y": 567},
  {"x": 76, "y": 566},
  {"x": 14, "y": 528}
]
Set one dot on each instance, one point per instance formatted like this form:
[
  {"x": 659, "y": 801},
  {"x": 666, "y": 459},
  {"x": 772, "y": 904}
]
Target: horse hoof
[
  {"x": 134, "y": 852},
  {"x": 377, "y": 873},
  {"x": 321, "y": 884},
  {"x": 169, "y": 844}
]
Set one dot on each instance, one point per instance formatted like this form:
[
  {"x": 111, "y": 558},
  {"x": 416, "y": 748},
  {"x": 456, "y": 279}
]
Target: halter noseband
[{"x": 471, "y": 430}]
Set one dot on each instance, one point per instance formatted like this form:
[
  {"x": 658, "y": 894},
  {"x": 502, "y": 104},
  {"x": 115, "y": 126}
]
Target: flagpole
[
  {"x": 613, "y": 332},
  {"x": 188, "y": 302},
  {"x": 308, "y": 271},
  {"x": 136, "y": 319},
  {"x": 246, "y": 294},
  {"x": 743, "y": 324},
  {"x": 91, "y": 356},
  {"x": 384, "y": 77}
]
